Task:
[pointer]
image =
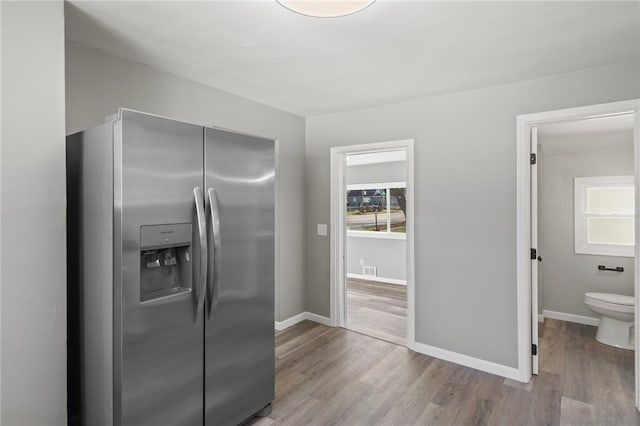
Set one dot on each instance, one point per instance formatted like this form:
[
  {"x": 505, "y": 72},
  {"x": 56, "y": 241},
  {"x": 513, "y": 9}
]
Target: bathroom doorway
[
  {"x": 372, "y": 240},
  {"x": 577, "y": 228}
]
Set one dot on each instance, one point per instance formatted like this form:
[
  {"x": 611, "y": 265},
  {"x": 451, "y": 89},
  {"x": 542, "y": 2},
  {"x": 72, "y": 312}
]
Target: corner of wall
[{"x": 33, "y": 339}]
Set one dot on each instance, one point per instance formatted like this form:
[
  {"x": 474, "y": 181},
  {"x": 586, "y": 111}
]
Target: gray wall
[
  {"x": 566, "y": 276},
  {"x": 98, "y": 83},
  {"x": 390, "y": 256},
  {"x": 33, "y": 224},
  {"x": 465, "y": 199}
]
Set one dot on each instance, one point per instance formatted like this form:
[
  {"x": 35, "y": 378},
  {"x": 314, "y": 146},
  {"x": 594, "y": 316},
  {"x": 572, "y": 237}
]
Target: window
[
  {"x": 605, "y": 215},
  {"x": 377, "y": 210}
]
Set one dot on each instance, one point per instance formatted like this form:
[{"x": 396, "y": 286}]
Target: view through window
[{"x": 380, "y": 208}]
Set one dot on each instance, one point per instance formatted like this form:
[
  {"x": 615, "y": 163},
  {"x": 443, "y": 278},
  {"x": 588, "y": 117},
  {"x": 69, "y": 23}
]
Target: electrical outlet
[{"x": 361, "y": 262}]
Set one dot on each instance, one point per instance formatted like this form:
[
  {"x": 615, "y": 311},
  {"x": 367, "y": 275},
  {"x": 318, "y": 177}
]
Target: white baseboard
[
  {"x": 318, "y": 318},
  {"x": 467, "y": 361},
  {"x": 571, "y": 318},
  {"x": 540, "y": 318},
  {"x": 281, "y": 325},
  {"x": 377, "y": 279}
]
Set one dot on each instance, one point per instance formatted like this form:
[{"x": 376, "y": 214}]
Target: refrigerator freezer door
[
  {"x": 239, "y": 336},
  {"x": 158, "y": 344}
]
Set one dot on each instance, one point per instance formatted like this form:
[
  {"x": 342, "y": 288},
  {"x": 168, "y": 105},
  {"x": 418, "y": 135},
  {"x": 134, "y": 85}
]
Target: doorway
[
  {"x": 375, "y": 244},
  {"x": 531, "y": 250},
  {"x": 372, "y": 289}
]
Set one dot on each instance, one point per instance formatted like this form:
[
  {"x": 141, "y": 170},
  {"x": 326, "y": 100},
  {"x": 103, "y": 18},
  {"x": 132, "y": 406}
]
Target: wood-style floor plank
[
  {"x": 576, "y": 413},
  {"x": 377, "y": 309},
  {"x": 551, "y": 356},
  {"x": 611, "y": 403},
  {"x": 333, "y": 376},
  {"x": 512, "y": 407},
  {"x": 544, "y": 404},
  {"x": 478, "y": 407},
  {"x": 577, "y": 382},
  {"x": 407, "y": 407}
]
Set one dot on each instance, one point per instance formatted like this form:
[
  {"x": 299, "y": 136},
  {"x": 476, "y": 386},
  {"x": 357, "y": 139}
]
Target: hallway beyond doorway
[{"x": 377, "y": 309}]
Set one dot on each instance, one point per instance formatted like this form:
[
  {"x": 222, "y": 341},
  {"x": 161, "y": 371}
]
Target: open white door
[{"x": 534, "y": 250}]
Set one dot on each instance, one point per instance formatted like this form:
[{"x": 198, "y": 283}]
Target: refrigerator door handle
[
  {"x": 202, "y": 234},
  {"x": 213, "y": 277}
]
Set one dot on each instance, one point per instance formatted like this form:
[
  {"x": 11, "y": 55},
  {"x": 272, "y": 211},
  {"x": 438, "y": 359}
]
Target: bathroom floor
[{"x": 595, "y": 382}]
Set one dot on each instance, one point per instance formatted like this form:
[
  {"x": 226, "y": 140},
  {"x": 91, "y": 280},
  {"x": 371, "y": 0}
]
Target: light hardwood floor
[
  {"x": 332, "y": 376},
  {"x": 377, "y": 309}
]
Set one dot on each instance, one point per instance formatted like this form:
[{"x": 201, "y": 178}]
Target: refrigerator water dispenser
[{"x": 165, "y": 261}]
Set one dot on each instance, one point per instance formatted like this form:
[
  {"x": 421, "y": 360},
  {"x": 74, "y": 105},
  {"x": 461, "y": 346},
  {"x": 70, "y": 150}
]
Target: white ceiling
[{"x": 390, "y": 52}]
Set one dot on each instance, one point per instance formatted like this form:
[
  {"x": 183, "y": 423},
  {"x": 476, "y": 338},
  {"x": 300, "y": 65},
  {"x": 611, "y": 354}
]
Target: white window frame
[
  {"x": 582, "y": 245},
  {"x": 378, "y": 234}
]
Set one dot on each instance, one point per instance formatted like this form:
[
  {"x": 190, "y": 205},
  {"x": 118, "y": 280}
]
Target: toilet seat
[{"x": 614, "y": 302}]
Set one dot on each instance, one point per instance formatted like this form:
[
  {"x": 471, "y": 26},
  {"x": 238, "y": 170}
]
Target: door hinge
[
  {"x": 533, "y": 158},
  {"x": 534, "y": 349},
  {"x": 534, "y": 254}
]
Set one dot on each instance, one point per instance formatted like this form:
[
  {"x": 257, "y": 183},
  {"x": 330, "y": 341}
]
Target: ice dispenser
[{"x": 165, "y": 261}]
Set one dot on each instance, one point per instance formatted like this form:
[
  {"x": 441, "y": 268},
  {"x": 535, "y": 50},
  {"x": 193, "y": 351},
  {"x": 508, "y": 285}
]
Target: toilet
[{"x": 616, "y": 325}]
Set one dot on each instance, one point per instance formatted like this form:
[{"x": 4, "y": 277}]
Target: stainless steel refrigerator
[{"x": 171, "y": 273}]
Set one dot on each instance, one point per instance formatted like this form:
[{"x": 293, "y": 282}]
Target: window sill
[
  {"x": 378, "y": 235},
  {"x": 606, "y": 250}
]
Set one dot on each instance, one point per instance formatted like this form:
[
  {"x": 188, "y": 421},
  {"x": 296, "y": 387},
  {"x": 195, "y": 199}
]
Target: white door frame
[
  {"x": 338, "y": 230},
  {"x": 524, "y": 125},
  {"x": 535, "y": 243}
]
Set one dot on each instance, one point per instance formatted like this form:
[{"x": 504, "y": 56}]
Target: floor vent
[{"x": 370, "y": 271}]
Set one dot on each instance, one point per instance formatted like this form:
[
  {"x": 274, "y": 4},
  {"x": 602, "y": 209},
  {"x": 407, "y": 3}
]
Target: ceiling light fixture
[{"x": 325, "y": 8}]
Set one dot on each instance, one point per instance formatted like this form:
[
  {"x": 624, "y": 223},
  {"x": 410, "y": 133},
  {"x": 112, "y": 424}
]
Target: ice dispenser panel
[{"x": 165, "y": 261}]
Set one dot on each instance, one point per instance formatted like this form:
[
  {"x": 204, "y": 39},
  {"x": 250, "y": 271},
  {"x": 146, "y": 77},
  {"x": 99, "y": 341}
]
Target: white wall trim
[
  {"x": 578, "y": 319},
  {"x": 540, "y": 318},
  {"x": 318, "y": 318},
  {"x": 377, "y": 279},
  {"x": 337, "y": 226},
  {"x": 289, "y": 322},
  {"x": 467, "y": 361},
  {"x": 523, "y": 219}
]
